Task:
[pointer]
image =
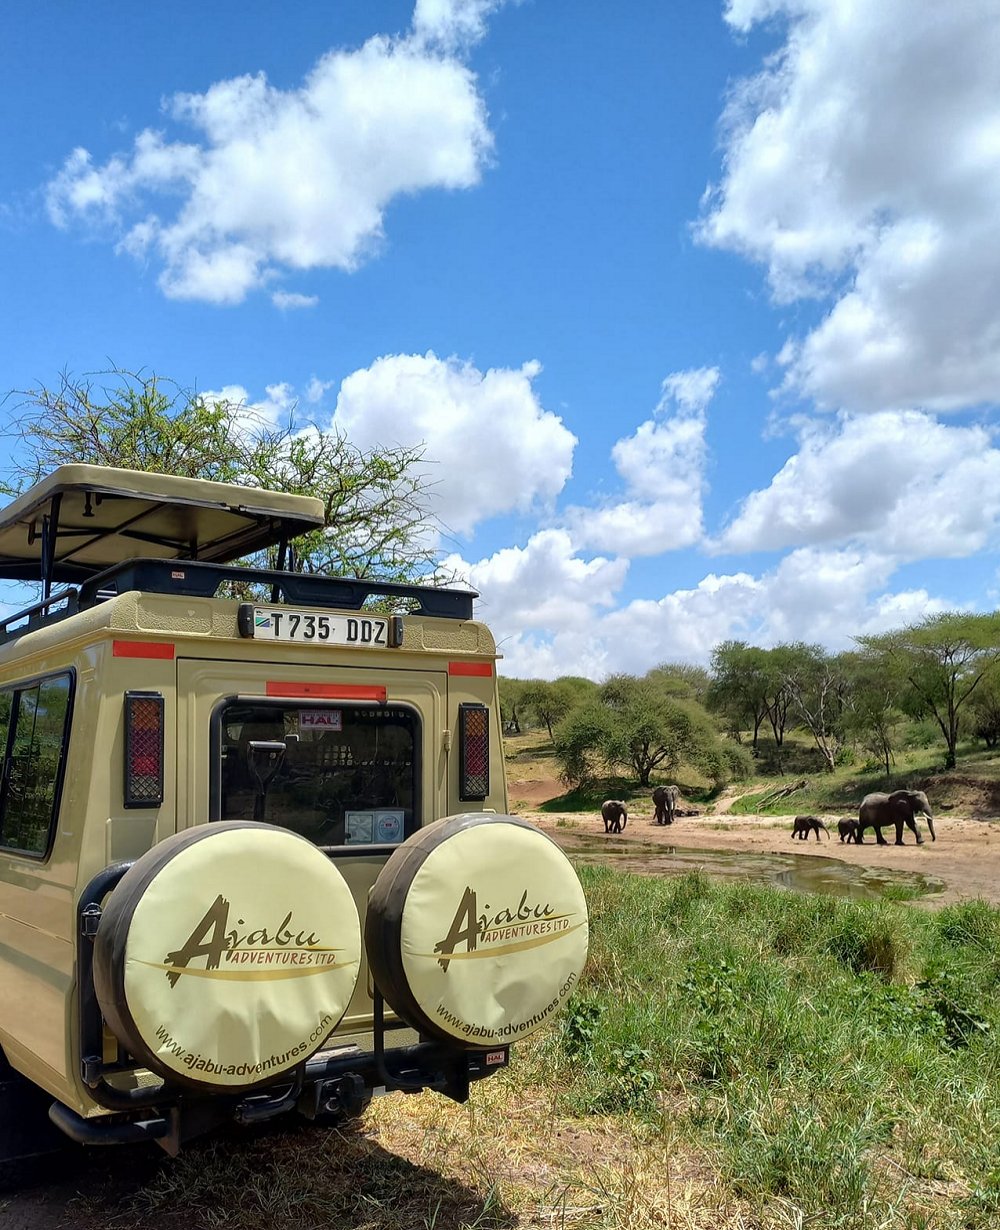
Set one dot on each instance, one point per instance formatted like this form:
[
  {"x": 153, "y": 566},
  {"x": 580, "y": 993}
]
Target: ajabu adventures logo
[
  {"x": 494, "y": 931},
  {"x": 234, "y": 952}
]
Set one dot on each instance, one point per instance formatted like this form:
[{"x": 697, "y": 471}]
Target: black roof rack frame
[{"x": 194, "y": 579}]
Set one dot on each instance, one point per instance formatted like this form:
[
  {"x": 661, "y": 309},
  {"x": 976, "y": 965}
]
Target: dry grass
[
  {"x": 508, "y": 1160},
  {"x": 547, "y": 1169}
]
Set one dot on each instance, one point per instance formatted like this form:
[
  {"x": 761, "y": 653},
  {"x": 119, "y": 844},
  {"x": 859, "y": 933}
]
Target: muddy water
[{"x": 804, "y": 873}]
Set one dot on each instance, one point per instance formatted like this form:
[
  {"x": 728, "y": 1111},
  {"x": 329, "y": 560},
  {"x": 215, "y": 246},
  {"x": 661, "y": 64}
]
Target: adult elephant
[
  {"x": 614, "y": 813},
  {"x": 899, "y": 808},
  {"x": 665, "y": 804}
]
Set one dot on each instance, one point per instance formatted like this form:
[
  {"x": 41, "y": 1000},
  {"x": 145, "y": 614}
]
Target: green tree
[
  {"x": 376, "y": 508},
  {"x": 511, "y": 703},
  {"x": 639, "y": 726},
  {"x": 581, "y": 742},
  {"x": 683, "y": 680},
  {"x": 872, "y": 716},
  {"x": 816, "y": 684},
  {"x": 748, "y": 688},
  {"x": 943, "y": 660},
  {"x": 550, "y": 701},
  {"x": 984, "y": 705}
]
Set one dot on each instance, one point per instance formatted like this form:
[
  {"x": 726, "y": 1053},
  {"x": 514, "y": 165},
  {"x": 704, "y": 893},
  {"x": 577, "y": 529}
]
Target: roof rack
[
  {"x": 193, "y": 579},
  {"x": 83, "y": 519},
  {"x": 83, "y": 524}
]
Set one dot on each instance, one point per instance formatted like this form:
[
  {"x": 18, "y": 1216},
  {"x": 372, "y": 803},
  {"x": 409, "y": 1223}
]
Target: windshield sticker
[
  {"x": 388, "y": 825},
  {"x": 360, "y": 827},
  {"x": 321, "y": 719}
]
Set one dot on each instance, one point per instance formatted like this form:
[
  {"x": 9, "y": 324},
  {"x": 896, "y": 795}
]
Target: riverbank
[{"x": 965, "y": 857}]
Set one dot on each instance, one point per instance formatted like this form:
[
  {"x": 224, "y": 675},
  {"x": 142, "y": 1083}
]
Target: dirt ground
[{"x": 965, "y": 856}]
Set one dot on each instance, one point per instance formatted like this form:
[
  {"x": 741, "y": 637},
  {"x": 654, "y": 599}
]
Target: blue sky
[{"x": 694, "y": 305}]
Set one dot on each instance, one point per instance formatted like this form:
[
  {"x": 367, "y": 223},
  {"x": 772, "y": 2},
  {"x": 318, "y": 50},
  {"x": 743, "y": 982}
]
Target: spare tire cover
[
  {"x": 477, "y": 929},
  {"x": 227, "y": 954}
]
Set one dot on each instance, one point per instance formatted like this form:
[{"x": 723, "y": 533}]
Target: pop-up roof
[{"x": 82, "y": 519}]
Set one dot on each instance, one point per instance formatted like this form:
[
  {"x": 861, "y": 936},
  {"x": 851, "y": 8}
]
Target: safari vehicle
[{"x": 254, "y": 850}]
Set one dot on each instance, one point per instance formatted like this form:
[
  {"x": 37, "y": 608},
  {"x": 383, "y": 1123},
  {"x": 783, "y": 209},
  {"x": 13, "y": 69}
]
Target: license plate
[{"x": 284, "y": 624}]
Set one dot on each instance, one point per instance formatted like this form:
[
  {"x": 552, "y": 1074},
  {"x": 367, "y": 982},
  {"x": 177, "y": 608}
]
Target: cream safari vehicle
[{"x": 254, "y": 850}]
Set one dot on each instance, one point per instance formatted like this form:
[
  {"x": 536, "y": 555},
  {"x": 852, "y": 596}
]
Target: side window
[{"x": 33, "y": 728}]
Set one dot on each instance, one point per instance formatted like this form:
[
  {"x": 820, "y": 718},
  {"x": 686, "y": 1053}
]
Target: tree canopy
[
  {"x": 377, "y": 513},
  {"x": 942, "y": 661},
  {"x": 641, "y": 725}
]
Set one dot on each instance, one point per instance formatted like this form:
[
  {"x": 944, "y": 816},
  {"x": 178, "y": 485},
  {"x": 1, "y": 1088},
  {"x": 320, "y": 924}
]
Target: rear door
[{"x": 345, "y": 731}]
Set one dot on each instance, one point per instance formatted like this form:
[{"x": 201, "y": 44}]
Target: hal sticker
[{"x": 321, "y": 719}]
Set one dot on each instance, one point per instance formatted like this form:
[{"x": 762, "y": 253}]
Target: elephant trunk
[{"x": 930, "y": 825}]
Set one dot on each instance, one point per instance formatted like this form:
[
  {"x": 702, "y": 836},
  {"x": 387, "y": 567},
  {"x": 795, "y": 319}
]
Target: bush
[{"x": 868, "y": 940}]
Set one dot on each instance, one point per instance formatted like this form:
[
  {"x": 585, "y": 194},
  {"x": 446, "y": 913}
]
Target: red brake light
[
  {"x": 143, "y": 749},
  {"x": 474, "y": 751}
]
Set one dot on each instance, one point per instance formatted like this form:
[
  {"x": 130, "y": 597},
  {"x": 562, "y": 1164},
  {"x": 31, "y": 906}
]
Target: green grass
[
  {"x": 837, "y": 1058},
  {"x": 791, "y": 1060}
]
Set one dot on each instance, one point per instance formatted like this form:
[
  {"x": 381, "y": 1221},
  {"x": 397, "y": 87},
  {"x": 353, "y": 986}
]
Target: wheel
[
  {"x": 227, "y": 954},
  {"x": 477, "y": 930}
]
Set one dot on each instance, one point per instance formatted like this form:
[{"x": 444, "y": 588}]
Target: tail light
[
  {"x": 474, "y": 751},
  {"x": 143, "y": 749}
]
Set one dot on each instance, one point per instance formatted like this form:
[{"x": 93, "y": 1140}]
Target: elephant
[
  {"x": 802, "y": 826},
  {"x": 848, "y": 830},
  {"x": 899, "y": 808},
  {"x": 665, "y": 804},
  {"x": 615, "y": 815}
]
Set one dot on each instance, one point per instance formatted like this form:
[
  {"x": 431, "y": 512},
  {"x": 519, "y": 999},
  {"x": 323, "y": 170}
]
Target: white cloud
[
  {"x": 527, "y": 591},
  {"x": 452, "y": 23},
  {"x": 490, "y": 446},
  {"x": 863, "y": 163},
  {"x": 275, "y": 409},
  {"x": 662, "y": 465},
  {"x": 812, "y": 595},
  {"x": 900, "y": 482},
  {"x": 286, "y": 179},
  {"x": 316, "y": 389},
  {"x": 287, "y": 301}
]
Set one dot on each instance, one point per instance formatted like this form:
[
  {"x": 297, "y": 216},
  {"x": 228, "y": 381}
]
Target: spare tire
[
  {"x": 227, "y": 954},
  {"x": 477, "y": 929}
]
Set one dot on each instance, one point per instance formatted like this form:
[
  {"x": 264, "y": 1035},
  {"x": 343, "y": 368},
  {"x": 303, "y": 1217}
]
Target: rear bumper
[{"x": 333, "y": 1085}]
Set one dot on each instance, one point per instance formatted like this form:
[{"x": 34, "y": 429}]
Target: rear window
[{"x": 344, "y": 775}]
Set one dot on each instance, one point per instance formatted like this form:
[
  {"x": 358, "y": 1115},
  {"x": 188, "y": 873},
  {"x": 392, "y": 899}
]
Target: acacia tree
[
  {"x": 943, "y": 660},
  {"x": 984, "y": 704},
  {"x": 683, "y": 680},
  {"x": 637, "y": 725},
  {"x": 375, "y": 502},
  {"x": 511, "y": 701},
  {"x": 748, "y": 687},
  {"x": 872, "y": 715},
  {"x": 741, "y": 687},
  {"x": 550, "y": 701},
  {"x": 816, "y": 683}
]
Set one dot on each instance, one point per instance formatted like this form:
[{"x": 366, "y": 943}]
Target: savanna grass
[{"x": 837, "y": 1058}]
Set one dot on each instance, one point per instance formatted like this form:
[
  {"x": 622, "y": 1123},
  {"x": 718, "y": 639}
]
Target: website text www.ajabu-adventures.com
[
  {"x": 195, "y": 1061},
  {"x": 512, "y": 1029}
]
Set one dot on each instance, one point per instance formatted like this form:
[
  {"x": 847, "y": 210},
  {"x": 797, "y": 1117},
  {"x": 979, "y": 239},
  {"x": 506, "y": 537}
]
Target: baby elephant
[
  {"x": 615, "y": 815},
  {"x": 804, "y": 825},
  {"x": 848, "y": 830}
]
